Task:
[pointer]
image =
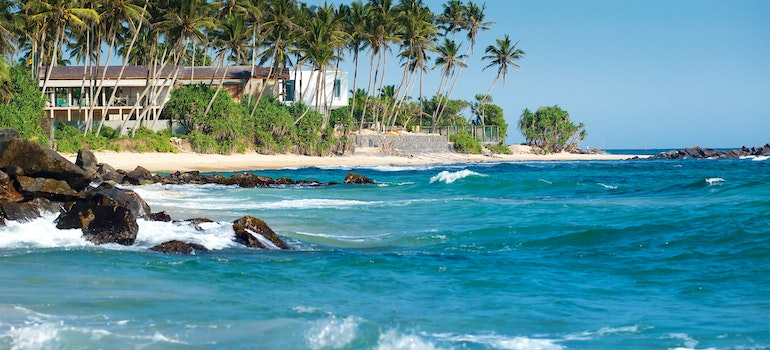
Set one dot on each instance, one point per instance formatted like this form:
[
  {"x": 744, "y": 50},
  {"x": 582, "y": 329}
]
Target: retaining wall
[{"x": 408, "y": 143}]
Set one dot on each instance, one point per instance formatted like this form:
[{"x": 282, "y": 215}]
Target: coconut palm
[
  {"x": 279, "y": 24},
  {"x": 57, "y": 16},
  {"x": 449, "y": 59},
  {"x": 503, "y": 56},
  {"x": 354, "y": 25},
  {"x": 9, "y": 23},
  {"x": 230, "y": 38}
]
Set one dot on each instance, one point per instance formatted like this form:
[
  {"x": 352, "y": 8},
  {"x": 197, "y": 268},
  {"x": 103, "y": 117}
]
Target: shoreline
[{"x": 363, "y": 157}]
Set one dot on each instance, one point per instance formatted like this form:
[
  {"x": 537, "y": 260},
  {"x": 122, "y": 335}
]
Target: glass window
[
  {"x": 289, "y": 86},
  {"x": 337, "y": 87}
]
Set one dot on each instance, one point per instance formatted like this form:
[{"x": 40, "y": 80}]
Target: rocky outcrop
[
  {"x": 105, "y": 215},
  {"x": 249, "y": 229},
  {"x": 697, "y": 152},
  {"x": 36, "y": 160},
  {"x": 179, "y": 247},
  {"x": 352, "y": 178}
]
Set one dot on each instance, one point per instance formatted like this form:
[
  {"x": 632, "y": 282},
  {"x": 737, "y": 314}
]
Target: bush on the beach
[
  {"x": 69, "y": 140},
  {"x": 550, "y": 130},
  {"x": 499, "y": 148},
  {"x": 465, "y": 143}
]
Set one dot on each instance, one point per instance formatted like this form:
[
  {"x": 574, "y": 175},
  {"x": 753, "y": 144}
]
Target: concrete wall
[{"x": 409, "y": 143}]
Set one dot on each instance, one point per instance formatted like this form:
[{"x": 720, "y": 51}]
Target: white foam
[
  {"x": 450, "y": 177},
  {"x": 313, "y": 203},
  {"x": 504, "y": 342},
  {"x": 392, "y": 339},
  {"x": 215, "y": 235},
  {"x": 715, "y": 181},
  {"x": 609, "y": 187},
  {"x": 40, "y": 233},
  {"x": 759, "y": 158},
  {"x": 604, "y": 331},
  {"x": 332, "y": 332}
]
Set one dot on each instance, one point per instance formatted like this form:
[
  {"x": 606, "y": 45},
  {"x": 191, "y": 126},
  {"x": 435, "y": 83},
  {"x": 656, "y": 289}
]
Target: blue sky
[{"x": 639, "y": 74}]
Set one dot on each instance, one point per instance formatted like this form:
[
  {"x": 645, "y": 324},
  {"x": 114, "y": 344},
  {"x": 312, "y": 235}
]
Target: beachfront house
[
  {"x": 303, "y": 84},
  {"x": 68, "y": 90}
]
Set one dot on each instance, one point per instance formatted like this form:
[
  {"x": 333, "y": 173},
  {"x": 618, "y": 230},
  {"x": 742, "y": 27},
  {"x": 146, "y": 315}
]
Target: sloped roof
[{"x": 141, "y": 72}]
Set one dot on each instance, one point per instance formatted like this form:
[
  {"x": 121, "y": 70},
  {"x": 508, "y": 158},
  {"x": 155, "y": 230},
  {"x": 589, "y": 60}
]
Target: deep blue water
[{"x": 526, "y": 255}]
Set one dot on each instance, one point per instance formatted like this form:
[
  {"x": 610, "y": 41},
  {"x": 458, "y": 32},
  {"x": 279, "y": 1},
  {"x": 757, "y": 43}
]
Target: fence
[{"x": 483, "y": 133}]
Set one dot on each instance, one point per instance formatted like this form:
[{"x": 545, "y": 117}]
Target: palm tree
[
  {"x": 279, "y": 24},
  {"x": 504, "y": 56},
  {"x": 449, "y": 59},
  {"x": 58, "y": 15},
  {"x": 230, "y": 38},
  {"x": 354, "y": 25},
  {"x": 8, "y": 27},
  {"x": 5, "y": 82},
  {"x": 380, "y": 29},
  {"x": 116, "y": 15}
]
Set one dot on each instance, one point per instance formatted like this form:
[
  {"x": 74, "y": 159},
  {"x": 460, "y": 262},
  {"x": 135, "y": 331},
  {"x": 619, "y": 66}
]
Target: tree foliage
[
  {"x": 23, "y": 105},
  {"x": 465, "y": 143},
  {"x": 549, "y": 129}
]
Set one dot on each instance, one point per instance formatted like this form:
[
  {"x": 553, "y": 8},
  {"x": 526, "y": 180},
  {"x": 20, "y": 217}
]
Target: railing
[{"x": 483, "y": 133}]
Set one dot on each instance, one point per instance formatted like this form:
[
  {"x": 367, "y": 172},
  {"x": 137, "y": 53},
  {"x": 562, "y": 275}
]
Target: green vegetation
[
  {"x": 279, "y": 34},
  {"x": 465, "y": 143},
  {"x": 499, "y": 148},
  {"x": 70, "y": 140},
  {"x": 22, "y": 105},
  {"x": 549, "y": 129}
]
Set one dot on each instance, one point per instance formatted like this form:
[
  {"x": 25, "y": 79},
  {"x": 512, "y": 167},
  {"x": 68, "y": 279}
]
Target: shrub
[
  {"x": 499, "y": 148},
  {"x": 550, "y": 129},
  {"x": 25, "y": 107},
  {"x": 465, "y": 143}
]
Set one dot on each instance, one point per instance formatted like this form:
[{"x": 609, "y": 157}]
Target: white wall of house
[{"x": 333, "y": 92}]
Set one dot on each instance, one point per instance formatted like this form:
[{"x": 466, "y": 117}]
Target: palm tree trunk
[{"x": 53, "y": 61}]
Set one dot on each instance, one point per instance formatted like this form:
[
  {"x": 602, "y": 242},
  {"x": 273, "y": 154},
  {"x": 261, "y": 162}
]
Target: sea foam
[
  {"x": 450, "y": 177},
  {"x": 715, "y": 181}
]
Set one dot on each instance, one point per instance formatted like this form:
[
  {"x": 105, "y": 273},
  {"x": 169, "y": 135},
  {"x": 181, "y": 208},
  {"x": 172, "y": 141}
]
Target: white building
[{"x": 302, "y": 86}]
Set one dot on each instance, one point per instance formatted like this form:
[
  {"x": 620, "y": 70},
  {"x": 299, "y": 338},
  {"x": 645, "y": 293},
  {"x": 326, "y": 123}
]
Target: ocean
[{"x": 652, "y": 254}]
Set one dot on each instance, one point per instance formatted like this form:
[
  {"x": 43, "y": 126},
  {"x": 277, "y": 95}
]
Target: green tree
[
  {"x": 550, "y": 129},
  {"x": 504, "y": 56},
  {"x": 25, "y": 106}
]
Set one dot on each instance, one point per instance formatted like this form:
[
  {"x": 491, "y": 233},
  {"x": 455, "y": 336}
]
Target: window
[
  {"x": 337, "y": 88},
  {"x": 289, "y": 86}
]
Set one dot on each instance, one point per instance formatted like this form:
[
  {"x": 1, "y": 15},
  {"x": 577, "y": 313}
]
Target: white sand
[{"x": 187, "y": 161}]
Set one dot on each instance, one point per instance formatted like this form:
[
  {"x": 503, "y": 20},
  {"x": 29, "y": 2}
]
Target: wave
[
  {"x": 450, "y": 177},
  {"x": 715, "y": 181}
]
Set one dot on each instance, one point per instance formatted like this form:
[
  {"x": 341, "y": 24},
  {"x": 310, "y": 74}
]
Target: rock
[
  {"x": 178, "y": 247},
  {"x": 249, "y": 180},
  {"x": 8, "y": 191},
  {"x": 105, "y": 215},
  {"x": 57, "y": 190},
  {"x": 116, "y": 176},
  {"x": 248, "y": 226},
  {"x": 87, "y": 161},
  {"x": 39, "y": 161},
  {"x": 24, "y": 211},
  {"x": 197, "y": 221},
  {"x": 6, "y": 135},
  {"x": 139, "y": 176},
  {"x": 159, "y": 216},
  {"x": 696, "y": 152},
  {"x": 351, "y": 178}
]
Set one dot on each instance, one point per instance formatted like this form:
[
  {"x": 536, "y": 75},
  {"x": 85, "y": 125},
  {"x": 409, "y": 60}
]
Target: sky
[{"x": 653, "y": 74}]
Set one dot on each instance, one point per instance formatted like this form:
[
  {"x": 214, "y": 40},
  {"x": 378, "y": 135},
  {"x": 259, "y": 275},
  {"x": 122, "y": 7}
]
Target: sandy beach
[{"x": 188, "y": 161}]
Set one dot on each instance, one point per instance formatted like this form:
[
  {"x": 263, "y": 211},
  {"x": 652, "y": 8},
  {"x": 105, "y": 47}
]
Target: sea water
[{"x": 523, "y": 255}]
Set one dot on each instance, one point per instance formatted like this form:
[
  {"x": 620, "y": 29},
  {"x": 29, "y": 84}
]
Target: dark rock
[
  {"x": 139, "y": 176},
  {"x": 8, "y": 191},
  {"x": 39, "y": 161},
  {"x": 6, "y": 135},
  {"x": 178, "y": 178},
  {"x": 351, "y": 178},
  {"x": 284, "y": 181},
  {"x": 116, "y": 176},
  {"x": 159, "y": 216},
  {"x": 105, "y": 215},
  {"x": 178, "y": 247},
  {"x": 697, "y": 152},
  {"x": 87, "y": 161},
  {"x": 24, "y": 211},
  {"x": 197, "y": 221},
  {"x": 248, "y": 226},
  {"x": 2, "y": 222},
  {"x": 49, "y": 188},
  {"x": 249, "y": 180}
]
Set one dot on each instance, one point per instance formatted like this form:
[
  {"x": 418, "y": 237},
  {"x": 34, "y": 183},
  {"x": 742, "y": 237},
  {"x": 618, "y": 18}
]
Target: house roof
[{"x": 141, "y": 72}]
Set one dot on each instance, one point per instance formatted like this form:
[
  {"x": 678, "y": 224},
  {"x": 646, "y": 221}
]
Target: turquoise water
[{"x": 529, "y": 255}]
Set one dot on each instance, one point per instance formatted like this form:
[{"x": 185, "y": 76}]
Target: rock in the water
[
  {"x": 351, "y": 178},
  {"x": 139, "y": 176},
  {"x": 159, "y": 216},
  {"x": 37, "y": 160},
  {"x": 8, "y": 191},
  {"x": 249, "y": 180},
  {"x": 105, "y": 215},
  {"x": 178, "y": 247},
  {"x": 48, "y": 188},
  {"x": 249, "y": 229},
  {"x": 26, "y": 211},
  {"x": 195, "y": 222}
]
